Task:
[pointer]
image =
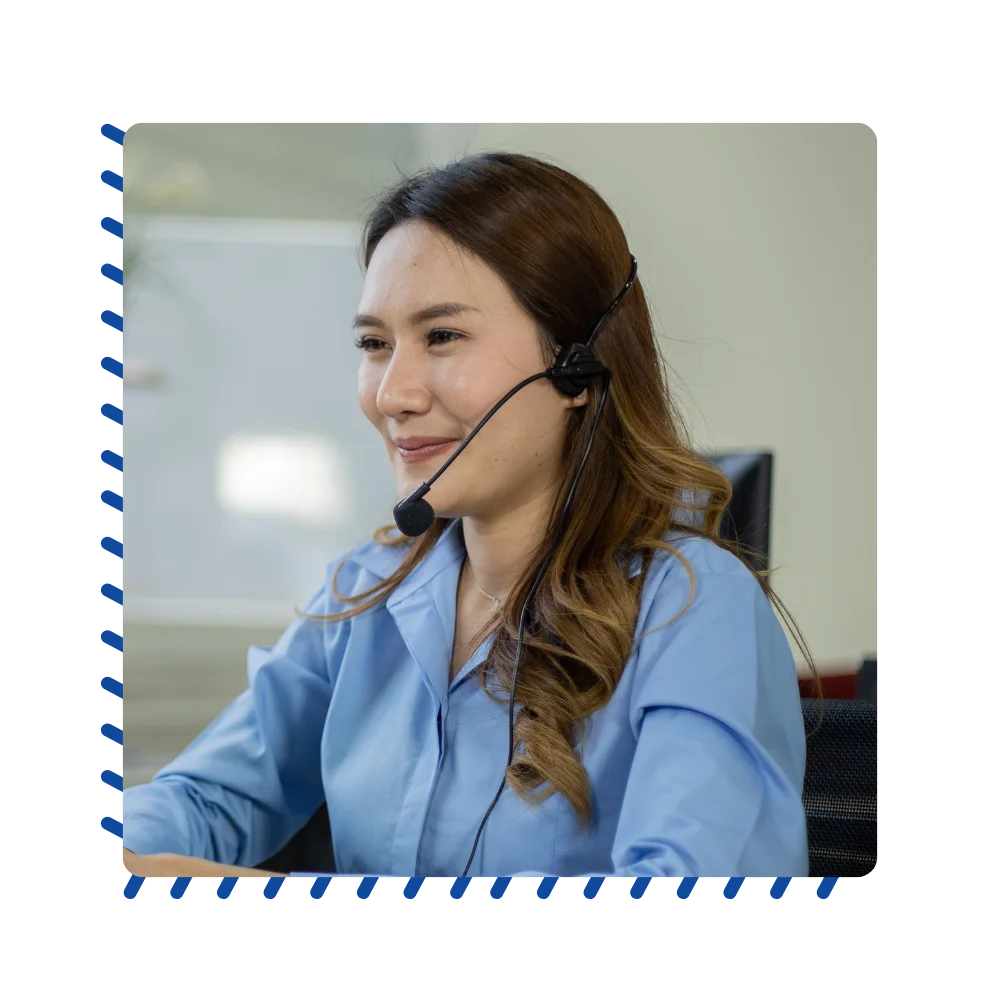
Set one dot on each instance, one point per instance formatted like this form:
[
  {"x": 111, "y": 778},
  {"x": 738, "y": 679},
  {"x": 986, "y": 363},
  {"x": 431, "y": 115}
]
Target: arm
[
  {"x": 716, "y": 783},
  {"x": 175, "y": 866},
  {"x": 252, "y": 778}
]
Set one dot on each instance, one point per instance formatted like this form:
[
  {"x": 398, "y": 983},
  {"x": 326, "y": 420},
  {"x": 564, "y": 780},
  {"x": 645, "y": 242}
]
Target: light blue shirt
[{"x": 695, "y": 765}]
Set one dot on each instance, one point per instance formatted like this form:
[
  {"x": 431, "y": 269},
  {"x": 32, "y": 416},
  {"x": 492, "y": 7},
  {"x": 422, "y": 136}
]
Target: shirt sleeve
[
  {"x": 715, "y": 787},
  {"x": 246, "y": 784}
]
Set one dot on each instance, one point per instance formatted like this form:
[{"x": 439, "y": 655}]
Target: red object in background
[{"x": 833, "y": 686}]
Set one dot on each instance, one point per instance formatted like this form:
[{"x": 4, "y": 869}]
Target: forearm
[{"x": 177, "y": 817}]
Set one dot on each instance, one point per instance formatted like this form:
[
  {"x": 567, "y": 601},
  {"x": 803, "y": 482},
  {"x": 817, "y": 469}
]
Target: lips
[
  {"x": 418, "y": 449},
  {"x": 414, "y": 443}
]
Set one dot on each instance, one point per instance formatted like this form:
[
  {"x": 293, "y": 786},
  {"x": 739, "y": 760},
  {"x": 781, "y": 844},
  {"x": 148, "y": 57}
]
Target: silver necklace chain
[{"x": 495, "y": 600}]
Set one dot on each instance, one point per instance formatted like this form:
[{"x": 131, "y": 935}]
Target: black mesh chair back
[{"x": 840, "y": 784}]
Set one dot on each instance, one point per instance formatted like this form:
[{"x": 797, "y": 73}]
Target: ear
[{"x": 571, "y": 402}]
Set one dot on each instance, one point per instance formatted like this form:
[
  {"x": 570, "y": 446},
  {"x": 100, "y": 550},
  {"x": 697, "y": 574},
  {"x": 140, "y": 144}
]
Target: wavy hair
[{"x": 563, "y": 255}]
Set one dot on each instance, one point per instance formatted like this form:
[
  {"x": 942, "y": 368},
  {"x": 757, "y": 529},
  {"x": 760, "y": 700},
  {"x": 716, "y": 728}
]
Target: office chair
[
  {"x": 309, "y": 850},
  {"x": 839, "y": 793},
  {"x": 839, "y": 798},
  {"x": 867, "y": 680}
]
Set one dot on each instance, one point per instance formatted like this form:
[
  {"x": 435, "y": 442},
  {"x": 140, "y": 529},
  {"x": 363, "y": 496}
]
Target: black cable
[{"x": 524, "y": 610}]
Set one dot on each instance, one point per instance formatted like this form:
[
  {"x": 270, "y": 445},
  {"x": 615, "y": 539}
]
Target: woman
[{"x": 657, "y": 727}]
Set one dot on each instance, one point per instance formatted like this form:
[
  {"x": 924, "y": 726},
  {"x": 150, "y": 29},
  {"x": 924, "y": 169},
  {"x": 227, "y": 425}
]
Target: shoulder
[
  {"x": 352, "y": 571},
  {"x": 696, "y": 570},
  {"x": 706, "y": 627},
  {"x": 707, "y": 556}
]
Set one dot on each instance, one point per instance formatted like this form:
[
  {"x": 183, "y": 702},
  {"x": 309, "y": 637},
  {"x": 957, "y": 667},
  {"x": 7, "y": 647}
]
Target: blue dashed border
[
  {"x": 110, "y": 281},
  {"x": 314, "y": 890},
  {"x": 317, "y": 890}
]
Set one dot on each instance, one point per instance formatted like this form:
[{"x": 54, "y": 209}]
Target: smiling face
[{"x": 443, "y": 340}]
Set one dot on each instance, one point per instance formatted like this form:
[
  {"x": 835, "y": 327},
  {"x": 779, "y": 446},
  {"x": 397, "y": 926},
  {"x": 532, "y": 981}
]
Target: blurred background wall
[{"x": 249, "y": 467}]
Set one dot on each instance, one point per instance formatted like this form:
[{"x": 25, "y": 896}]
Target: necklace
[{"x": 495, "y": 600}]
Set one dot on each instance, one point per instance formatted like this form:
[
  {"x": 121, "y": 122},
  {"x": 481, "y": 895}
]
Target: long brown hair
[{"x": 563, "y": 255}]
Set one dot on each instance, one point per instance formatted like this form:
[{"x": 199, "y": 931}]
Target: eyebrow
[{"x": 421, "y": 316}]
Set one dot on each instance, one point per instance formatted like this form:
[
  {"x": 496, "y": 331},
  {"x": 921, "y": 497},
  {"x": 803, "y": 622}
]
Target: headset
[{"x": 574, "y": 369}]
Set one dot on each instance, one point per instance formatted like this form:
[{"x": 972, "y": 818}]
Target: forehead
[{"x": 416, "y": 265}]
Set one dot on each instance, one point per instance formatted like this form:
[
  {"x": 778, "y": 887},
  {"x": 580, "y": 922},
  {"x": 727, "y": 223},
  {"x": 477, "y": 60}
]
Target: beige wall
[{"x": 756, "y": 246}]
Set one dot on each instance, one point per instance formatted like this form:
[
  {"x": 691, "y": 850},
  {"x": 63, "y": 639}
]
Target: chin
[
  {"x": 407, "y": 481},
  {"x": 444, "y": 505},
  {"x": 409, "y": 477}
]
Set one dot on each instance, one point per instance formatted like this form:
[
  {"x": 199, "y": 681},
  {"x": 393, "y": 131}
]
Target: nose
[{"x": 402, "y": 390}]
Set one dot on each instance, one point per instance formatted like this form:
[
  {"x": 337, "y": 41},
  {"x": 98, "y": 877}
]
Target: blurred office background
[{"x": 249, "y": 465}]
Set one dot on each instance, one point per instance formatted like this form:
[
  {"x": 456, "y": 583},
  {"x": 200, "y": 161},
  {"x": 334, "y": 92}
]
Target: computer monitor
[{"x": 747, "y": 519}]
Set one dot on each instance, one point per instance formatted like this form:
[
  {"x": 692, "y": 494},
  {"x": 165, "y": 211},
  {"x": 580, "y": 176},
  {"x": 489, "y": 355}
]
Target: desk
[{"x": 839, "y": 679}]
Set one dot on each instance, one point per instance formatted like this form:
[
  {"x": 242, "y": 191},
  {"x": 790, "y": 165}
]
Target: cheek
[
  {"x": 521, "y": 441},
  {"x": 473, "y": 387},
  {"x": 531, "y": 437}
]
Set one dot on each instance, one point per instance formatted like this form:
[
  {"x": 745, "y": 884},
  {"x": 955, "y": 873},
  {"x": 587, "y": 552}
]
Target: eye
[
  {"x": 369, "y": 344},
  {"x": 443, "y": 336}
]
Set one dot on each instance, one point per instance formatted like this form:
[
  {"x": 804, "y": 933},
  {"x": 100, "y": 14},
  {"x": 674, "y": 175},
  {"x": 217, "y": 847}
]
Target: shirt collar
[{"x": 383, "y": 560}]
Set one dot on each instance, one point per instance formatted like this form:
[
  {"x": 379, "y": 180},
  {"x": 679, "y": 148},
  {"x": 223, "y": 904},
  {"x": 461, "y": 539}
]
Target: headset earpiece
[{"x": 574, "y": 370}]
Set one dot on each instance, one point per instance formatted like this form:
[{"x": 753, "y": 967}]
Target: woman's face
[{"x": 442, "y": 341}]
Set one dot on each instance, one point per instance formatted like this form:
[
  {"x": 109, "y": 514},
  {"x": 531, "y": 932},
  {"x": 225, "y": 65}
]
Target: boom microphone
[{"x": 414, "y": 515}]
